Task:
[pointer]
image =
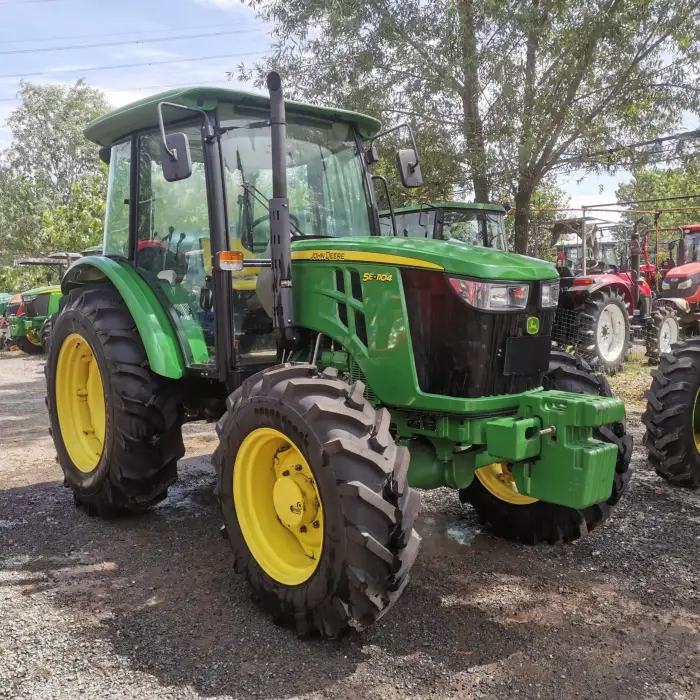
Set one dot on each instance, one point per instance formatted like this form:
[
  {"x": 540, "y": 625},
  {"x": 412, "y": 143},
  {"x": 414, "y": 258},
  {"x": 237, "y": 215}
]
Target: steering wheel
[{"x": 260, "y": 220}]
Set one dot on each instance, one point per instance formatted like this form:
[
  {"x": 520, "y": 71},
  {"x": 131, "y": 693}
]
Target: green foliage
[
  {"x": 521, "y": 91},
  {"x": 52, "y": 183},
  {"x": 672, "y": 182}
]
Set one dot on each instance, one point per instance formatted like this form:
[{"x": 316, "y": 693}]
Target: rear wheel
[
  {"x": 29, "y": 344},
  {"x": 116, "y": 425},
  {"x": 315, "y": 500},
  {"x": 672, "y": 415},
  {"x": 513, "y": 515},
  {"x": 663, "y": 332},
  {"x": 604, "y": 330}
]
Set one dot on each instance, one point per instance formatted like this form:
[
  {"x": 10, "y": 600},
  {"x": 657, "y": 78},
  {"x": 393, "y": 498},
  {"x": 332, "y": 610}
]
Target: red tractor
[
  {"x": 679, "y": 296},
  {"x": 599, "y": 313}
]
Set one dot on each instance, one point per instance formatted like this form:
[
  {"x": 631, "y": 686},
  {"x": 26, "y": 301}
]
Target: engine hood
[
  {"x": 452, "y": 257},
  {"x": 684, "y": 271}
]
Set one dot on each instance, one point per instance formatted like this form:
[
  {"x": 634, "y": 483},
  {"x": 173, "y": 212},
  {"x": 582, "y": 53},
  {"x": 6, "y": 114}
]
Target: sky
[{"x": 224, "y": 34}]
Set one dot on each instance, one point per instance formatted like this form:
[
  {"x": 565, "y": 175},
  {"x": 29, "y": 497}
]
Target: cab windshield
[
  {"x": 692, "y": 248},
  {"x": 324, "y": 178},
  {"x": 476, "y": 228}
]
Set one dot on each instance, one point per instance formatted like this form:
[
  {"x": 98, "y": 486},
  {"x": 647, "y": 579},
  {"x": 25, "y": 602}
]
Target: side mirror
[
  {"x": 410, "y": 173},
  {"x": 105, "y": 154},
  {"x": 175, "y": 157}
]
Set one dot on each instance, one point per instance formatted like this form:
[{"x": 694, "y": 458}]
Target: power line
[
  {"x": 128, "y": 41},
  {"x": 160, "y": 86},
  {"x": 25, "y": 2},
  {"x": 130, "y": 65}
]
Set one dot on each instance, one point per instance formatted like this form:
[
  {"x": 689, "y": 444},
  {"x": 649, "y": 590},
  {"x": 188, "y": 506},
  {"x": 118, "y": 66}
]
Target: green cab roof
[
  {"x": 447, "y": 205},
  {"x": 143, "y": 115}
]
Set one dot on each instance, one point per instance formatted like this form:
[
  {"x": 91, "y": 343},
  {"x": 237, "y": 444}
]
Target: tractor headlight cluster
[
  {"x": 549, "y": 295},
  {"x": 685, "y": 284},
  {"x": 491, "y": 296},
  {"x": 26, "y": 298},
  {"x": 665, "y": 285}
]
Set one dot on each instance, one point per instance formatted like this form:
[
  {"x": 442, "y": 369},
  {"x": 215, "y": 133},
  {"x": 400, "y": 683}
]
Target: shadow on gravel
[{"x": 161, "y": 591}]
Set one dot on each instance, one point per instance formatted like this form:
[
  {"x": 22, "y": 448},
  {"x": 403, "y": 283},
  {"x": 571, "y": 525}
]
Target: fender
[
  {"x": 680, "y": 304},
  {"x": 156, "y": 331}
]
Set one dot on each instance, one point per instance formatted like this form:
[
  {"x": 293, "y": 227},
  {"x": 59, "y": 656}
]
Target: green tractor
[
  {"x": 475, "y": 224},
  {"x": 244, "y": 280},
  {"x": 29, "y": 326},
  {"x": 30, "y": 320}
]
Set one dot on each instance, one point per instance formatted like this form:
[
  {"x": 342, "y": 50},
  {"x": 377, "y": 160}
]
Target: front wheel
[
  {"x": 115, "y": 424},
  {"x": 604, "y": 330},
  {"x": 512, "y": 515},
  {"x": 28, "y": 345},
  {"x": 46, "y": 328},
  {"x": 315, "y": 499},
  {"x": 662, "y": 333}
]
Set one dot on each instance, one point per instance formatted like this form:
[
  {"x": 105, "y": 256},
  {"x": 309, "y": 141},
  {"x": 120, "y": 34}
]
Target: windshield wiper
[{"x": 260, "y": 198}]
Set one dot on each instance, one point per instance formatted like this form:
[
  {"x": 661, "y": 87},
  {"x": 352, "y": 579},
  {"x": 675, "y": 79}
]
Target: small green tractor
[
  {"x": 31, "y": 312},
  {"x": 244, "y": 280}
]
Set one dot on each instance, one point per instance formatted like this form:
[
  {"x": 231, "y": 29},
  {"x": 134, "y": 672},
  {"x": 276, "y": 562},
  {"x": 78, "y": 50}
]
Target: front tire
[
  {"x": 27, "y": 346},
  {"x": 46, "y": 328},
  {"x": 349, "y": 566},
  {"x": 116, "y": 425},
  {"x": 672, "y": 417},
  {"x": 518, "y": 517},
  {"x": 604, "y": 330},
  {"x": 663, "y": 332}
]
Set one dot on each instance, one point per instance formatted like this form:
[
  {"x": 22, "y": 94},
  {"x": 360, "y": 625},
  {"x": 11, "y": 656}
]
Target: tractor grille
[
  {"x": 462, "y": 352},
  {"x": 39, "y": 306}
]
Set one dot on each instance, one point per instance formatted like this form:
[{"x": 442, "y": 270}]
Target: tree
[
  {"x": 649, "y": 184},
  {"x": 524, "y": 88},
  {"x": 48, "y": 147},
  {"x": 50, "y": 171}
]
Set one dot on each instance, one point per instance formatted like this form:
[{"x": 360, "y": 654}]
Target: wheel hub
[{"x": 295, "y": 500}]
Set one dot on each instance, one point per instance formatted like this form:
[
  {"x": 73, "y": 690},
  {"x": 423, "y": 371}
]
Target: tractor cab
[{"x": 474, "y": 224}]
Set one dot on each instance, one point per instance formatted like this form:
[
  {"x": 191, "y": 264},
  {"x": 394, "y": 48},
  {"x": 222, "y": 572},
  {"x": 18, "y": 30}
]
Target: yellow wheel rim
[
  {"x": 80, "y": 403},
  {"x": 32, "y": 338},
  {"x": 278, "y": 506},
  {"x": 497, "y": 479}
]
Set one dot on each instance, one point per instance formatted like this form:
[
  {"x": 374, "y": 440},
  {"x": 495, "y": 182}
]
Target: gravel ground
[{"x": 149, "y": 607}]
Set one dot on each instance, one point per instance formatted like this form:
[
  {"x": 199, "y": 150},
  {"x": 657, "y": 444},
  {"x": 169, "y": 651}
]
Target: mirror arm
[
  {"x": 209, "y": 133},
  {"x": 381, "y": 178},
  {"x": 405, "y": 125}
]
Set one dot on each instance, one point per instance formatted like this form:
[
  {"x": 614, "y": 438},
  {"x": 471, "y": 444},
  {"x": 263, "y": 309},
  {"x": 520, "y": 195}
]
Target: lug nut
[
  {"x": 298, "y": 467},
  {"x": 285, "y": 472},
  {"x": 316, "y": 524},
  {"x": 302, "y": 528},
  {"x": 311, "y": 482}
]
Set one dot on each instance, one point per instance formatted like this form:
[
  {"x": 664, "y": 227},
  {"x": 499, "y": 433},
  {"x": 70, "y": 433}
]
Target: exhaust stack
[{"x": 280, "y": 237}]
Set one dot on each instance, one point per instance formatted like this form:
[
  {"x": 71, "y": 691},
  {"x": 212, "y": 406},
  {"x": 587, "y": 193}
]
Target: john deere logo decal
[{"x": 533, "y": 325}]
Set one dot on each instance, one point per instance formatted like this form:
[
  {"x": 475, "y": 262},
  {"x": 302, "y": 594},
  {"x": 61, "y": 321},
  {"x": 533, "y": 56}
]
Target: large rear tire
[
  {"x": 116, "y": 425},
  {"x": 672, "y": 416},
  {"x": 515, "y": 516},
  {"x": 291, "y": 429},
  {"x": 28, "y": 346},
  {"x": 604, "y": 330}
]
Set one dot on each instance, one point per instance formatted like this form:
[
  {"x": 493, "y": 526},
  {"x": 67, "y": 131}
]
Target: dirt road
[{"x": 149, "y": 607}]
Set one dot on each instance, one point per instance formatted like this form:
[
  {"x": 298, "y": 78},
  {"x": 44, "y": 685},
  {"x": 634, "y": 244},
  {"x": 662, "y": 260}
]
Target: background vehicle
[
  {"x": 476, "y": 224},
  {"x": 336, "y": 356},
  {"x": 27, "y": 325},
  {"x": 4, "y": 301}
]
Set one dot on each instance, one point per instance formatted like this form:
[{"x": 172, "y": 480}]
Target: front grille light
[
  {"x": 549, "y": 294},
  {"x": 491, "y": 296}
]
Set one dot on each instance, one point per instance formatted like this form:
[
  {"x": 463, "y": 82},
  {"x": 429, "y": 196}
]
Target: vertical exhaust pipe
[{"x": 280, "y": 237}]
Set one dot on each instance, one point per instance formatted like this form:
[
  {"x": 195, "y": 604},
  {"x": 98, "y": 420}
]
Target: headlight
[
  {"x": 26, "y": 298},
  {"x": 665, "y": 285},
  {"x": 492, "y": 296},
  {"x": 549, "y": 296},
  {"x": 685, "y": 284}
]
